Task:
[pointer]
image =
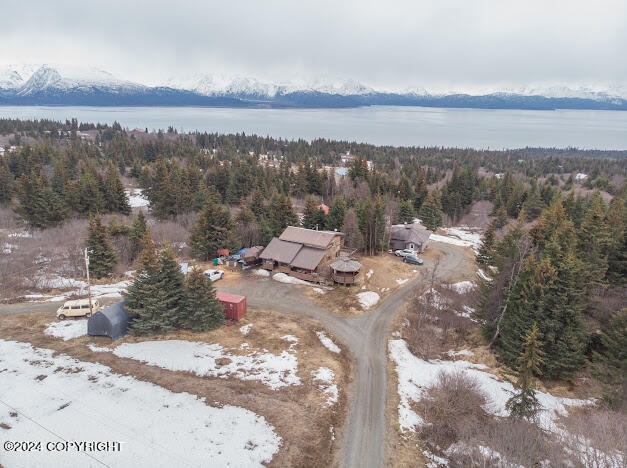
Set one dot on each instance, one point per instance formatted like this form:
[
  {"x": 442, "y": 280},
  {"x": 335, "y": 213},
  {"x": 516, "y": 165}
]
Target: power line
[{"x": 50, "y": 431}]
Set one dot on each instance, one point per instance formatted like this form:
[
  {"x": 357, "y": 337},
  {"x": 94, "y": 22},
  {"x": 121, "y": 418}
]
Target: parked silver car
[{"x": 405, "y": 252}]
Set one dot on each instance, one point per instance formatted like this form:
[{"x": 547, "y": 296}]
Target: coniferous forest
[{"x": 554, "y": 252}]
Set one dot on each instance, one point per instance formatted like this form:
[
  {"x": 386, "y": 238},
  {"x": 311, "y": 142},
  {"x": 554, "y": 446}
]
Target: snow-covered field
[
  {"x": 273, "y": 370},
  {"x": 415, "y": 375},
  {"x": 58, "y": 399}
]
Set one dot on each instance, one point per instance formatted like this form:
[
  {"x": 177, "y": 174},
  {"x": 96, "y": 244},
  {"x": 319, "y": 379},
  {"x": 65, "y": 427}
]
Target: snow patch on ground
[
  {"x": 98, "y": 349},
  {"x": 450, "y": 240},
  {"x": 58, "y": 282},
  {"x": 400, "y": 281},
  {"x": 285, "y": 278},
  {"x": 326, "y": 379},
  {"x": 432, "y": 298},
  {"x": 462, "y": 236},
  {"x": 368, "y": 299},
  {"x": 467, "y": 234},
  {"x": 467, "y": 313},
  {"x": 79, "y": 288},
  {"x": 462, "y": 352},
  {"x": 17, "y": 235},
  {"x": 84, "y": 401},
  {"x": 110, "y": 290},
  {"x": 273, "y": 370},
  {"x": 67, "y": 329},
  {"x": 416, "y": 375},
  {"x": 481, "y": 274},
  {"x": 463, "y": 287},
  {"x": 327, "y": 342},
  {"x": 369, "y": 274},
  {"x": 136, "y": 198},
  {"x": 291, "y": 339},
  {"x": 8, "y": 248},
  {"x": 319, "y": 290},
  {"x": 246, "y": 329},
  {"x": 261, "y": 272}
]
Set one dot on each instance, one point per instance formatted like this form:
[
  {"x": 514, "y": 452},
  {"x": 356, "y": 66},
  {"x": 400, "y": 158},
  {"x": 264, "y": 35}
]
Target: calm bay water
[{"x": 380, "y": 125}]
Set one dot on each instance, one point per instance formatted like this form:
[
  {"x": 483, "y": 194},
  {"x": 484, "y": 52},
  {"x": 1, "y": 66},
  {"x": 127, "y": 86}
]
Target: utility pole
[{"x": 91, "y": 308}]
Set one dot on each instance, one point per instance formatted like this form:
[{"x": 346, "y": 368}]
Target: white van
[{"x": 78, "y": 308}]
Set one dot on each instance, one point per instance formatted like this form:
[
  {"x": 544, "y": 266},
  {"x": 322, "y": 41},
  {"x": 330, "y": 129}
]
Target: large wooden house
[{"x": 303, "y": 253}]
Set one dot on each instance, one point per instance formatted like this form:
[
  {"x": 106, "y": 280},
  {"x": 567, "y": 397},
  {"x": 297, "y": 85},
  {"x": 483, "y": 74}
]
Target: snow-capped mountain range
[{"x": 69, "y": 85}]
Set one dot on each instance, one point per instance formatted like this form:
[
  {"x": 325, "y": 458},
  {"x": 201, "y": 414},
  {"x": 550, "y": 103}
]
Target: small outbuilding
[
  {"x": 251, "y": 256},
  {"x": 346, "y": 271},
  {"x": 234, "y": 305},
  {"x": 409, "y": 236},
  {"x": 112, "y": 321}
]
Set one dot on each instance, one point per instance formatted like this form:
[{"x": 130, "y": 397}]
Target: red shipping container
[{"x": 234, "y": 305}]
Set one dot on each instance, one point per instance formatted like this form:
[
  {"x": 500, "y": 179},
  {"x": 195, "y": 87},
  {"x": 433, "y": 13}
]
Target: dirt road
[{"x": 366, "y": 338}]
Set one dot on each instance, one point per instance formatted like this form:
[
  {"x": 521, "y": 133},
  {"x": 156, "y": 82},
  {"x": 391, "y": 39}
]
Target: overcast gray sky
[{"x": 392, "y": 44}]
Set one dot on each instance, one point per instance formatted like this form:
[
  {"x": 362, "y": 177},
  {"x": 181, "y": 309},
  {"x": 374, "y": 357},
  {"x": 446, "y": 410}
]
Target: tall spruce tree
[
  {"x": 39, "y": 205},
  {"x": 214, "y": 230},
  {"x": 246, "y": 225},
  {"x": 156, "y": 298},
  {"x": 406, "y": 211},
  {"x": 202, "y": 310},
  {"x": 141, "y": 296},
  {"x": 595, "y": 240},
  {"x": 172, "y": 292},
  {"x": 137, "y": 232},
  {"x": 102, "y": 257},
  {"x": 310, "y": 213},
  {"x": 87, "y": 196},
  {"x": 617, "y": 252},
  {"x": 281, "y": 214},
  {"x": 524, "y": 403},
  {"x": 610, "y": 361},
  {"x": 6, "y": 182},
  {"x": 115, "y": 198},
  {"x": 551, "y": 291},
  {"x": 372, "y": 224},
  {"x": 353, "y": 238},
  {"x": 486, "y": 251},
  {"x": 431, "y": 211},
  {"x": 337, "y": 210}
]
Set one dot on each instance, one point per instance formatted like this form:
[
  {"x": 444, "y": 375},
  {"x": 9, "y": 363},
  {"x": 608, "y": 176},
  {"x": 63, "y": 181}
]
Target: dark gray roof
[
  {"x": 112, "y": 322},
  {"x": 410, "y": 233},
  {"x": 280, "y": 251},
  {"x": 346, "y": 265},
  {"x": 311, "y": 237},
  {"x": 308, "y": 258}
]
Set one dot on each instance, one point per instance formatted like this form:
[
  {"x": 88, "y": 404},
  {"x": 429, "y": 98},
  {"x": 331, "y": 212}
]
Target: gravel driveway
[{"x": 365, "y": 337}]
